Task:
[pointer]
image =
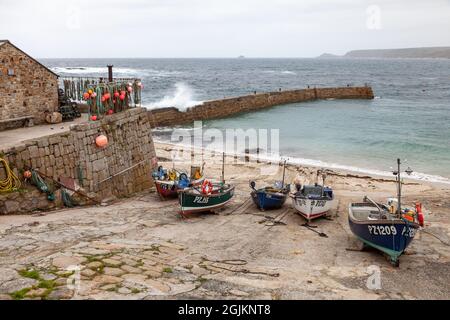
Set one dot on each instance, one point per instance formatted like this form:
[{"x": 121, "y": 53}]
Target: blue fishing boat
[
  {"x": 271, "y": 197},
  {"x": 389, "y": 228}
]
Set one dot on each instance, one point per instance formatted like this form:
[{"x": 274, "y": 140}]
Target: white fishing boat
[{"x": 313, "y": 201}]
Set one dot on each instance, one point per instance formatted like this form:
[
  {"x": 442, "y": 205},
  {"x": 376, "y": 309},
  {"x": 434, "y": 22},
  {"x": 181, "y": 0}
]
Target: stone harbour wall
[
  {"x": 30, "y": 91},
  {"x": 123, "y": 168},
  {"x": 232, "y": 106}
]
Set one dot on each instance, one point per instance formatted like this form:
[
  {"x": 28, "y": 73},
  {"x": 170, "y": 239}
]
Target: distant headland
[{"x": 407, "y": 53}]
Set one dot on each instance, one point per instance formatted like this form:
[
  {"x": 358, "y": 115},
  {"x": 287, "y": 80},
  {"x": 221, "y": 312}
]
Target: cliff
[{"x": 407, "y": 53}]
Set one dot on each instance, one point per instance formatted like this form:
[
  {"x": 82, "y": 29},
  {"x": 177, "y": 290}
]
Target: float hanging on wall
[
  {"x": 101, "y": 141},
  {"x": 104, "y": 98}
]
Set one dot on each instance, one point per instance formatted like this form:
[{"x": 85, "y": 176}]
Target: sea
[{"x": 409, "y": 118}]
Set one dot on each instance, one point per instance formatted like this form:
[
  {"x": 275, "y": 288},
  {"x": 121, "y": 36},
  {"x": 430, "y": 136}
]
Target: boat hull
[
  {"x": 196, "y": 203},
  {"x": 390, "y": 237},
  {"x": 267, "y": 200},
  {"x": 167, "y": 190},
  {"x": 312, "y": 209}
]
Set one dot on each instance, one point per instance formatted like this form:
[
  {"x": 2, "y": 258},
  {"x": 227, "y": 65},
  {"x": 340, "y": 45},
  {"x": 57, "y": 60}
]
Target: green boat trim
[
  {"x": 192, "y": 201},
  {"x": 391, "y": 253},
  {"x": 206, "y": 208}
]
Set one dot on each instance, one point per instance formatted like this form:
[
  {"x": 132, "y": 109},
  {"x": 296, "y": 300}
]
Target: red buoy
[{"x": 420, "y": 214}]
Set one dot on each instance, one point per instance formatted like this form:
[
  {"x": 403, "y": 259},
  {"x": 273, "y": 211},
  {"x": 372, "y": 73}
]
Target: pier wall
[
  {"x": 228, "y": 107},
  {"x": 74, "y": 155}
]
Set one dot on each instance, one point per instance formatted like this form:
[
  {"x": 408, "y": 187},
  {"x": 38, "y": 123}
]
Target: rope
[
  {"x": 435, "y": 236},
  {"x": 238, "y": 263},
  {"x": 11, "y": 182}
]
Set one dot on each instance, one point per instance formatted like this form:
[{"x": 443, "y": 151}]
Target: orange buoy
[
  {"x": 420, "y": 214},
  {"x": 27, "y": 174},
  {"x": 101, "y": 141}
]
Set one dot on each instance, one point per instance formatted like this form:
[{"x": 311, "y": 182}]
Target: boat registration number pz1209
[{"x": 382, "y": 230}]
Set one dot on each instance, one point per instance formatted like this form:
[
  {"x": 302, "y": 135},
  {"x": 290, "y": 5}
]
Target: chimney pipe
[{"x": 110, "y": 73}]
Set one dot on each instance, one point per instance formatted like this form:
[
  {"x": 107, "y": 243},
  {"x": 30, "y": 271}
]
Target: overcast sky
[{"x": 225, "y": 28}]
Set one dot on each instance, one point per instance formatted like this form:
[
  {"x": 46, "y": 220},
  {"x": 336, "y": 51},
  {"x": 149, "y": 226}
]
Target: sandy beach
[{"x": 141, "y": 248}]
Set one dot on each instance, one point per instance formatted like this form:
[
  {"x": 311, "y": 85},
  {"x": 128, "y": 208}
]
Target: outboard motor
[
  {"x": 184, "y": 182},
  {"x": 160, "y": 174}
]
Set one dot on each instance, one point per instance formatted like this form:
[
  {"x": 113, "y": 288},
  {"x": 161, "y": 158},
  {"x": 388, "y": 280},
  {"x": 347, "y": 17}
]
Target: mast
[
  {"x": 324, "y": 177},
  {"x": 223, "y": 168},
  {"x": 284, "y": 174},
  {"x": 399, "y": 208}
]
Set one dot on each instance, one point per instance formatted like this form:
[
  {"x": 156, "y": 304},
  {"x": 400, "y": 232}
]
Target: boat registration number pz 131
[{"x": 201, "y": 200}]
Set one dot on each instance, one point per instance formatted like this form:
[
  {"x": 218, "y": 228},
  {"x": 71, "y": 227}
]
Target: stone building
[{"x": 27, "y": 88}]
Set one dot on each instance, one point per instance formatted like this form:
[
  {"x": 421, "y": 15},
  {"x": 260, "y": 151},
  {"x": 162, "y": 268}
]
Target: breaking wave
[
  {"x": 182, "y": 99},
  {"x": 286, "y": 72},
  {"x": 125, "y": 72},
  {"x": 93, "y": 70}
]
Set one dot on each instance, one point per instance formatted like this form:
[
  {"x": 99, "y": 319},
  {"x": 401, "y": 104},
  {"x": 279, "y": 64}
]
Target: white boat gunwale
[{"x": 392, "y": 221}]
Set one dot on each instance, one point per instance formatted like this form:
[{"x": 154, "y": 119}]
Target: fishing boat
[
  {"x": 168, "y": 182},
  {"x": 271, "y": 197},
  {"x": 389, "y": 227},
  {"x": 313, "y": 201},
  {"x": 207, "y": 197}
]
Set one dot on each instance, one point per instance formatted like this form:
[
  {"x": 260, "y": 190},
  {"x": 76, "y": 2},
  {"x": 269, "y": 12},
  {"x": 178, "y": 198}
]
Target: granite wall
[
  {"x": 228, "y": 107},
  {"x": 74, "y": 155},
  {"x": 27, "y": 88}
]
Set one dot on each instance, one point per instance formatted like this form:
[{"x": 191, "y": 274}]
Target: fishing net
[
  {"x": 67, "y": 199},
  {"x": 40, "y": 183},
  {"x": 103, "y": 97}
]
